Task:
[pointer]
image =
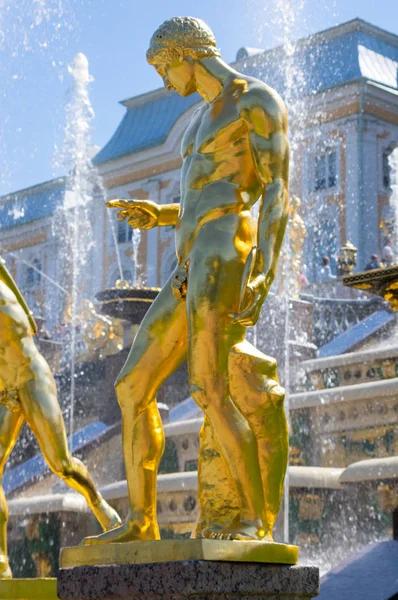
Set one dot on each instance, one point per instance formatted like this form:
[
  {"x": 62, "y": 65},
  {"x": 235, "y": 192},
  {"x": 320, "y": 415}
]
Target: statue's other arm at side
[
  {"x": 145, "y": 214},
  {"x": 266, "y": 119}
]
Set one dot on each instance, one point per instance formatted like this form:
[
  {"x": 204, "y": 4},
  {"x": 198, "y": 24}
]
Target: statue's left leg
[
  {"x": 40, "y": 407},
  {"x": 256, "y": 392},
  {"x": 10, "y": 426}
]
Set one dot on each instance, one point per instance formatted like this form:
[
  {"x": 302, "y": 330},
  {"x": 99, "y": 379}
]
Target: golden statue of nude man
[
  {"x": 235, "y": 153},
  {"x": 28, "y": 393}
]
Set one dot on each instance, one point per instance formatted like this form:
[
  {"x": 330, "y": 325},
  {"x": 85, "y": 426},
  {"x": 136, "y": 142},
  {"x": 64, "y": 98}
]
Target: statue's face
[{"x": 179, "y": 76}]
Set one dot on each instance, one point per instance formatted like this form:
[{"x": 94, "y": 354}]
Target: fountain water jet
[{"x": 83, "y": 200}]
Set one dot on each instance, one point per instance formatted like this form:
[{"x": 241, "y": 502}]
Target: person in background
[
  {"x": 374, "y": 263},
  {"x": 325, "y": 273},
  {"x": 388, "y": 254},
  {"x": 302, "y": 281}
]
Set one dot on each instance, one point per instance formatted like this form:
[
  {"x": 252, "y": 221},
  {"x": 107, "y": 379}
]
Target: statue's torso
[{"x": 218, "y": 176}]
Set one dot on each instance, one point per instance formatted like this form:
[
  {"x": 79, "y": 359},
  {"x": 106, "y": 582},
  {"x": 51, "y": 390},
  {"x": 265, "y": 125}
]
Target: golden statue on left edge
[{"x": 28, "y": 393}]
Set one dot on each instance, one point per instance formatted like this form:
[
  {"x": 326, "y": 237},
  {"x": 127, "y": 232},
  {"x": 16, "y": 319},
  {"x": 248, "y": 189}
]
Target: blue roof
[
  {"x": 36, "y": 466},
  {"x": 357, "y": 334},
  {"x": 32, "y": 203},
  {"x": 330, "y": 63},
  {"x": 146, "y": 125},
  {"x": 329, "y": 59}
]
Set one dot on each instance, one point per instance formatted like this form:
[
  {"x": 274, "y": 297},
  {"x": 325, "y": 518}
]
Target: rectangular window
[
  {"x": 332, "y": 173},
  {"x": 325, "y": 170},
  {"x": 320, "y": 172},
  {"x": 124, "y": 232},
  {"x": 121, "y": 232},
  {"x": 386, "y": 170}
]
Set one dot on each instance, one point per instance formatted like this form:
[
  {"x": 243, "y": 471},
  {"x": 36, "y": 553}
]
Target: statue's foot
[
  {"x": 239, "y": 530},
  {"x": 107, "y": 516},
  {"x": 5, "y": 571},
  {"x": 130, "y": 531}
]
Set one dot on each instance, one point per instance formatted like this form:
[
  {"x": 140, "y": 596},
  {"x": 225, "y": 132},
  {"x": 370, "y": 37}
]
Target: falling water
[
  {"x": 84, "y": 199},
  {"x": 136, "y": 239},
  {"x": 286, "y": 15},
  {"x": 78, "y": 199},
  {"x": 113, "y": 233}
]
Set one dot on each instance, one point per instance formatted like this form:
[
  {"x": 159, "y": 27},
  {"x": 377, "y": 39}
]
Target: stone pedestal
[{"x": 188, "y": 579}]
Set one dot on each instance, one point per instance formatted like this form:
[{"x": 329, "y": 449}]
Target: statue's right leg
[
  {"x": 10, "y": 426},
  {"x": 159, "y": 348}
]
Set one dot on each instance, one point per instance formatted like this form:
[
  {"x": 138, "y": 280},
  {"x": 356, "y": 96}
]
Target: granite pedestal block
[{"x": 190, "y": 579}]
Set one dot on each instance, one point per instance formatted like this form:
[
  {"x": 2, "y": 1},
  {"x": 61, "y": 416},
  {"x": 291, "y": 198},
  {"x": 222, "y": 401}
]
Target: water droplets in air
[
  {"x": 83, "y": 198},
  {"x": 393, "y": 165}
]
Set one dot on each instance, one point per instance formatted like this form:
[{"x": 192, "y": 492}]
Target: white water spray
[{"x": 83, "y": 201}]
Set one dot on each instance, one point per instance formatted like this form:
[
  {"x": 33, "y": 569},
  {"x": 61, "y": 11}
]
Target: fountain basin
[{"x": 130, "y": 303}]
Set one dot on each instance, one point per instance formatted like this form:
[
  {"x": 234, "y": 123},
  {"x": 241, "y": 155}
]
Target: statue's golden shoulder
[{"x": 262, "y": 101}]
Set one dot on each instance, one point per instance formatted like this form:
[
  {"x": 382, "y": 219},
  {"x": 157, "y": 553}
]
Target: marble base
[
  {"x": 28, "y": 589},
  {"x": 189, "y": 580}
]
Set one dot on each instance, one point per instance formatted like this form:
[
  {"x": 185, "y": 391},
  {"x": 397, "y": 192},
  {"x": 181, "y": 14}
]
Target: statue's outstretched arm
[{"x": 145, "y": 214}]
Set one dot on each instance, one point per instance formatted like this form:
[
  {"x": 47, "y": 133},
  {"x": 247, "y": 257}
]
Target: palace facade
[{"x": 341, "y": 90}]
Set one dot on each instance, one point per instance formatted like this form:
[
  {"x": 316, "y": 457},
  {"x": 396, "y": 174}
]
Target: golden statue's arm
[
  {"x": 145, "y": 214},
  {"x": 270, "y": 150}
]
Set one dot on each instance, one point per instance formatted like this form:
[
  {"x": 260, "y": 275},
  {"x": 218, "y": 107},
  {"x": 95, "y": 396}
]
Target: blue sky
[{"x": 39, "y": 38}]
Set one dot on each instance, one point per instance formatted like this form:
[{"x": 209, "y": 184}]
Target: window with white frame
[
  {"x": 325, "y": 175},
  {"x": 124, "y": 232}
]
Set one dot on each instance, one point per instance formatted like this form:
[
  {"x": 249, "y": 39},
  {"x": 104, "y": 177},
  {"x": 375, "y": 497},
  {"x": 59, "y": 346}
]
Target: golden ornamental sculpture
[
  {"x": 235, "y": 153},
  {"x": 290, "y": 276},
  {"x": 28, "y": 393},
  {"x": 99, "y": 336}
]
